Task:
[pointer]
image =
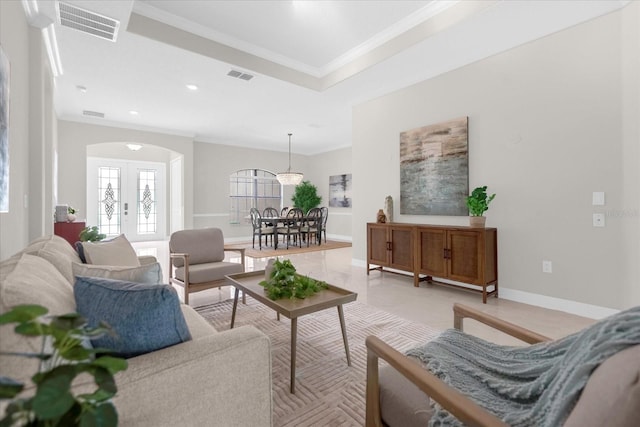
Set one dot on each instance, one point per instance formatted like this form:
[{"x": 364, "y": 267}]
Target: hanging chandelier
[{"x": 288, "y": 177}]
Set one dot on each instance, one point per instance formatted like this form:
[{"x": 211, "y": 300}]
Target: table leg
[
  {"x": 294, "y": 336},
  {"x": 235, "y": 306},
  {"x": 275, "y": 235},
  {"x": 344, "y": 334}
]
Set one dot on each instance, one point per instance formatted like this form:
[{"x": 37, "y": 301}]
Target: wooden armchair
[
  {"x": 198, "y": 259},
  {"x": 610, "y": 397}
]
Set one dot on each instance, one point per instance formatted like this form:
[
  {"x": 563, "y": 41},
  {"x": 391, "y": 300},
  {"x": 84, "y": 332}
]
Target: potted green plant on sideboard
[
  {"x": 306, "y": 197},
  {"x": 478, "y": 203}
]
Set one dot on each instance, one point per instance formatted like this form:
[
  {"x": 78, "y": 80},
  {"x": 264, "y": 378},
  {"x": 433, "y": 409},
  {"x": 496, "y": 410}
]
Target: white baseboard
[
  {"x": 544, "y": 301},
  {"x": 553, "y": 303}
]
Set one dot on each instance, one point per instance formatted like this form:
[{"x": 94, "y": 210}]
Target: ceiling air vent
[
  {"x": 88, "y": 22},
  {"x": 93, "y": 114},
  {"x": 240, "y": 75}
]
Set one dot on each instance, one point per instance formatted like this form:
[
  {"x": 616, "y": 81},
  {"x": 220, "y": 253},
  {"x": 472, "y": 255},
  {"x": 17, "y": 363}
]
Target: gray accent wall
[{"x": 550, "y": 122}]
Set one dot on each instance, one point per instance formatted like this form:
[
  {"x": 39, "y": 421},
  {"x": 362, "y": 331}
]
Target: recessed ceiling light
[
  {"x": 134, "y": 147},
  {"x": 133, "y": 113},
  {"x": 81, "y": 88},
  {"x": 192, "y": 87}
]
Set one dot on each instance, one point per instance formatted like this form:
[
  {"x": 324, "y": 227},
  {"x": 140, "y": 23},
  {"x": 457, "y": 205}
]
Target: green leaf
[
  {"x": 111, "y": 364},
  {"x": 76, "y": 353},
  {"x": 69, "y": 321},
  {"x": 23, "y": 313},
  {"x": 9, "y": 387},
  {"x": 32, "y": 329},
  {"x": 104, "y": 415},
  {"x": 97, "y": 396},
  {"x": 53, "y": 397}
]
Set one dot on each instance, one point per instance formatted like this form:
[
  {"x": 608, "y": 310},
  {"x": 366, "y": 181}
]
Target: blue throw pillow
[{"x": 144, "y": 317}]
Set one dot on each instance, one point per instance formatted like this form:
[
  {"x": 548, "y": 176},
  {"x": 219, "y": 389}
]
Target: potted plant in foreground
[
  {"x": 478, "y": 203},
  {"x": 51, "y": 401}
]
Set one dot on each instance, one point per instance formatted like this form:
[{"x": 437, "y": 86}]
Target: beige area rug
[
  {"x": 268, "y": 251},
  {"x": 328, "y": 392}
]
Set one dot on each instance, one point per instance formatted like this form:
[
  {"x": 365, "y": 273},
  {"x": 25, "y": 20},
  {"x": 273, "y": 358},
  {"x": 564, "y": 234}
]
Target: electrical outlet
[
  {"x": 598, "y": 220},
  {"x": 547, "y": 267}
]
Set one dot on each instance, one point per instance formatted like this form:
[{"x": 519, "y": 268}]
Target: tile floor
[{"x": 395, "y": 293}]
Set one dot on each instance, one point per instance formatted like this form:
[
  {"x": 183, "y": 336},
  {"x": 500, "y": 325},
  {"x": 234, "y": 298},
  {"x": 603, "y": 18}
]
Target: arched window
[{"x": 252, "y": 188}]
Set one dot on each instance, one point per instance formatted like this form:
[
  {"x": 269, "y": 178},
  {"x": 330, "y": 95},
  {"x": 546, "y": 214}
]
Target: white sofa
[{"x": 217, "y": 378}]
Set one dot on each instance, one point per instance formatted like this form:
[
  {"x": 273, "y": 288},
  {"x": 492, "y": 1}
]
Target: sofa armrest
[{"x": 224, "y": 379}]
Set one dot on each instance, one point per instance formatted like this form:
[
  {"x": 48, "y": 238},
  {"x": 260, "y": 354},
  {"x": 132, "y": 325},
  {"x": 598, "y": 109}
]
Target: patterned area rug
[
  {"x": 328, "y": 392},
  {"x": 268, "y": 251}
]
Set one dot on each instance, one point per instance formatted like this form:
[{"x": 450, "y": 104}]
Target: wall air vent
[
  {"x": 87, "y": 22},
  {"x": 93, "y": 114},
  {"x": 240, "y": 75}
]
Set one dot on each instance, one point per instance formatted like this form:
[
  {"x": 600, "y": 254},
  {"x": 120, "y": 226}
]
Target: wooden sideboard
[{"x": 456, "y": 253}]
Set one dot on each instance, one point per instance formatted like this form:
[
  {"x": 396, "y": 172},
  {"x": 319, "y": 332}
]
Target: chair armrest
[
  {"x": 452, "y": 400},
  {"x": 223, "y": 378},
  {"x": 461, "y": 311},
  {"x": 239, "y": 250}
]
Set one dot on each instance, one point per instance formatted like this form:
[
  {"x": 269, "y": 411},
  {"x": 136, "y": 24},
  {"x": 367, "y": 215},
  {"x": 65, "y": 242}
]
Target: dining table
[{"x": 276, "y": 220}]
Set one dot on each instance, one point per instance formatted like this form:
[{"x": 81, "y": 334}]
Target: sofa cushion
[
  {"x": 203, "y": 245},
  {"x": 117, "y": 251},
  {"x": 144, "y": 317},
  {"x": 29, "y": 279},
  {"x": 57, "y": 251},
  {"x": 198, "y": 325},
  {"x": 149, "y": 273}
]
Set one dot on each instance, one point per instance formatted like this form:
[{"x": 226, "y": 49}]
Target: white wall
[
  {"x": 31, "y": 133},
  {"x": 549, "y": 123},
  {"x": 321, "y": 167},
  {"x": 75, "y": 140}
]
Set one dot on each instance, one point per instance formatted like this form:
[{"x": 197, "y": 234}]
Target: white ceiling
[{"x": 312, "y": 60}]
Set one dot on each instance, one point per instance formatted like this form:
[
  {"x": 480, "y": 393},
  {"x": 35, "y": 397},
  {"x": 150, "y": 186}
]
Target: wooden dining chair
[
  {"x": 259, "y": 229},
  {"x": 312, "y": 225},
  {"x": 291, "y": 226}
]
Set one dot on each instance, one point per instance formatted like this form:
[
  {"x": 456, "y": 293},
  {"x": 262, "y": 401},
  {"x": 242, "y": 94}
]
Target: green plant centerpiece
[
  {"x": 91, "y": 234},
  {"x": 478, "y": 201},
  {"x": 306, "y": 197},
  {"x": 62, "y": 359},
  {"x": 284, "y": 282}
]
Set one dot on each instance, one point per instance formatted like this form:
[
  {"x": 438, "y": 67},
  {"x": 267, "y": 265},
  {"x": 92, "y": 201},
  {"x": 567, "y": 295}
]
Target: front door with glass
[{"x": 126, "y": 198}]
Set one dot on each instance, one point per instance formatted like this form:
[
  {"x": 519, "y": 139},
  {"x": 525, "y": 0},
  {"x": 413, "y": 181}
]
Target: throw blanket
[{"x": 525, "y": 386}]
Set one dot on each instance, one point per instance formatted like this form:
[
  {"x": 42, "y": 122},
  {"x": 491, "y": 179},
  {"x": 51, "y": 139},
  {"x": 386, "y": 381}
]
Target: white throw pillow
[
  {"x": 148, "y": 273},
  {"x": 117, "y": 251}
]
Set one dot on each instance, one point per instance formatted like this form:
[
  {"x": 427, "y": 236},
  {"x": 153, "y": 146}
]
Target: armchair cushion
[
  {"x": 201, "y": 273},
  {"x": 144, "y": 317},
  {"x": 402, "y": 404},
  {"x": 117, "y": 251},
  {"x": 203, "y": 245}
]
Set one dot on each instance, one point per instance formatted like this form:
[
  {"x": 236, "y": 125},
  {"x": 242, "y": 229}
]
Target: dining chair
[
  {"x": 323, "y": 227},
  {"x": 258, "y": 229},
  {"x": 284, "y": 211},
  {"x": 291, "y": 226},
  {"x": 312, "y": 225}
]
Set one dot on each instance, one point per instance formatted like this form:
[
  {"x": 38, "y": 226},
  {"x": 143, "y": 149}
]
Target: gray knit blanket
[{"x": 537, "y": 385}]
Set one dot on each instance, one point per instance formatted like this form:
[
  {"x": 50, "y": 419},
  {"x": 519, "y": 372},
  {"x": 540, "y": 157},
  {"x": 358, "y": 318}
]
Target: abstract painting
[
  {"x": 434, "y": 169},
  {"x": 340, "y": 191},
  {"x": 4, "y": 132}
]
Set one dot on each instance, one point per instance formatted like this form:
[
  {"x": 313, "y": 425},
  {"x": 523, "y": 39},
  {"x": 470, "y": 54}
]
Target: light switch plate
[
  {"x": 598, "y": 198},
  {"x": 547, "y": 267}
]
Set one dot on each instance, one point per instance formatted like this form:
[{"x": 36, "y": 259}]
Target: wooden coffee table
[{"x": 293, "y": 308}]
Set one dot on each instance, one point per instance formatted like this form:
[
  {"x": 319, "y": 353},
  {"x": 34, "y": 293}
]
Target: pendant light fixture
[{"x": 288, "y": 177}]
